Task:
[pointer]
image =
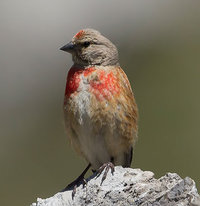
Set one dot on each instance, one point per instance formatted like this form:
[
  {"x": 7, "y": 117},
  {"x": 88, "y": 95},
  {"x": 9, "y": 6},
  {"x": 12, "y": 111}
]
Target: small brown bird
[{"x": 99, "y": 107}]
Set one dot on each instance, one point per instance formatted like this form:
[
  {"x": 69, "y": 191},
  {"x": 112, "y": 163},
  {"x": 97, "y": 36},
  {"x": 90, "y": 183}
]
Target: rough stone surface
[{"x": 129, "y": 187}]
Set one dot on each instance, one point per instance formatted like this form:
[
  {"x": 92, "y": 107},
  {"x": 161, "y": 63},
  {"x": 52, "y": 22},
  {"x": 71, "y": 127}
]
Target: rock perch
[{"x": 129, "y": 187}]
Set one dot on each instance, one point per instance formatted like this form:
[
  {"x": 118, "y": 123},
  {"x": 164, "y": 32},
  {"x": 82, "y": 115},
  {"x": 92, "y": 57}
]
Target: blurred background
[{"x": 159, "y": 46}]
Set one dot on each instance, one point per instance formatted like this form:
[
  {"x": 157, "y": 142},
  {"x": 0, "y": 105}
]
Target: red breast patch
[
  {"x": 73, "y": 79},
  {"x": 103, "y": 85},
  {"x": 106, "y": 86}
]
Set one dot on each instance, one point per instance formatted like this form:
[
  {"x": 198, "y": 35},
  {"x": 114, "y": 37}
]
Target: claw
[
  {"x": 73, "y": 186},
  {"x": 80, "y": 180},
  {"x": 106, "y": 166},
  {"x": 74, "y": 191}
]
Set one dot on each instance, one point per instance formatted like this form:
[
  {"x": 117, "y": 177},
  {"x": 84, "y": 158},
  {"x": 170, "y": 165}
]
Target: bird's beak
[{"x": 68, "y": 47}]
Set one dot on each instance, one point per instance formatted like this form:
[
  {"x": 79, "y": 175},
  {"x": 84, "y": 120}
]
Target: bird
[{"x": 100, "y": 111}]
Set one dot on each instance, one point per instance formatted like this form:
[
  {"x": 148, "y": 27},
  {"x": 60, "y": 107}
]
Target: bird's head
[{"x": 89, "y": 47}]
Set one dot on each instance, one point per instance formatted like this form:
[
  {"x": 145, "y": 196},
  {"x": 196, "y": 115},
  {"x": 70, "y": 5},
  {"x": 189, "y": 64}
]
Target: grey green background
[{"x": 159, "y": 45}]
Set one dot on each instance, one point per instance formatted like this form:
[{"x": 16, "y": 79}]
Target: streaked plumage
[{"x": 99, "y": 107}]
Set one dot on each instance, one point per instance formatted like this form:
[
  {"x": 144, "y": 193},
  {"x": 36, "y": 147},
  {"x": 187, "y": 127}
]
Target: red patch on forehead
[{"x": 79, "y": 34}]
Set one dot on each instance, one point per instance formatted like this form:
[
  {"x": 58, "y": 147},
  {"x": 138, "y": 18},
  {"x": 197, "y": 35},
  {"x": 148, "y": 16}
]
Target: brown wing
[
  {"x": 128, "y": 126},
  {"x": 129, "y": 109},
  {"x": 115, "y": 116}
]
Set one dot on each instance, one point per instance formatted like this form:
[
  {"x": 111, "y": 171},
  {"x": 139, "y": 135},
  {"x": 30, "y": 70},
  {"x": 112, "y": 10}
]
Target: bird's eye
[{"x": 86, "y": 43}]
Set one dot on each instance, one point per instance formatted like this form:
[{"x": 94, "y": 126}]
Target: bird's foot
[
  {"x": 73, "y": 185},
  {"x": 80, "y": 180},
  {"x": 106, "y": 166}
]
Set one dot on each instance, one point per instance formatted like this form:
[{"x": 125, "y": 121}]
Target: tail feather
[{"x": 128, "y": 158}]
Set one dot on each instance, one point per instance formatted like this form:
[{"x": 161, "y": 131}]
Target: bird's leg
[
  {"x": 106, "y": 166},
  {"x": 80, "y": 180}
]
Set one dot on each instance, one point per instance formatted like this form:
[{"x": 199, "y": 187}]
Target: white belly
[
  {"x": 93, "y": 146},
  {"x": 90, "y": 142}
]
